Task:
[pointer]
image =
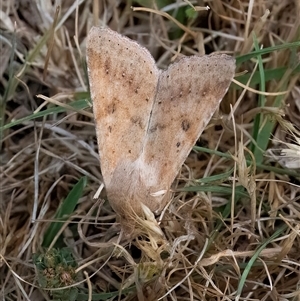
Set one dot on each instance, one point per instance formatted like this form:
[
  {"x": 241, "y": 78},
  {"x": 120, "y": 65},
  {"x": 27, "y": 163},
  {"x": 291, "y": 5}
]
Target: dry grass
[{"x": 232, "y": 229}]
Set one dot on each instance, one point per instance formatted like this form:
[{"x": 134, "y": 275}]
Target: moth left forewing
[
  {"x": 123, "y": 79},
  {"x": 183, "y": 106}
]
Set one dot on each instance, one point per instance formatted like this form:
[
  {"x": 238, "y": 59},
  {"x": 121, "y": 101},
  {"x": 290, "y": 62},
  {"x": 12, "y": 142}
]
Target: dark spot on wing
[
  {"x": 111, "y": 108},
  {"x": 137, "y": 120},
  {"x": 185, "y": 125}
]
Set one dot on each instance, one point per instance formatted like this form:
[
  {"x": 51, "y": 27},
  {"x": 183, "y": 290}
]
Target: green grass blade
[
  {"x": 260, "y": 52},
  {"x": 261, "y": 136},
  {"x": 64, "y": 211},
  {"x": 277, "y": 170},
  {"x": 264, "y": 124},
  {"x": 254, "y": 258},
  {"x": 77, "y": 105},
  {"x": 215, "y": 189}
]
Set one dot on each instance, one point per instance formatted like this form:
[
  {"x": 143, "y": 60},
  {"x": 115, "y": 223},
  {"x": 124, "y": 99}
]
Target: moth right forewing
[
  {"x": 188, "y": 94},
  {"x": 123, "y": 79}
]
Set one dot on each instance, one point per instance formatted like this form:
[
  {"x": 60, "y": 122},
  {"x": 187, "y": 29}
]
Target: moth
[{"x": 147, "y": 119}]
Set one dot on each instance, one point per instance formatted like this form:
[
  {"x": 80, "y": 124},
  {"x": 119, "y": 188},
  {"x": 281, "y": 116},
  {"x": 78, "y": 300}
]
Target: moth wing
[
  {"x": 189, "y": 93},
  {"x": 123, "y": 79}
]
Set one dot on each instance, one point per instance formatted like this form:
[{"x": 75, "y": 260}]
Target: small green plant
[{"x": 56, "y": 269}]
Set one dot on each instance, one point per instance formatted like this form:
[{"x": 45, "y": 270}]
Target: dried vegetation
[{"x": 232, "y": 230}]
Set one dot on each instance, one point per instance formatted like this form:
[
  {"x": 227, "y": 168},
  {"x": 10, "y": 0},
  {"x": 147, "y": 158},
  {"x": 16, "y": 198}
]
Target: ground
[{"x": 230, "y": 230}]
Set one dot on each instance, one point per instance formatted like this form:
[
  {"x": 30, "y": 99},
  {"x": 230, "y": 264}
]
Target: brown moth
[{"x": 148, "y": 120}]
